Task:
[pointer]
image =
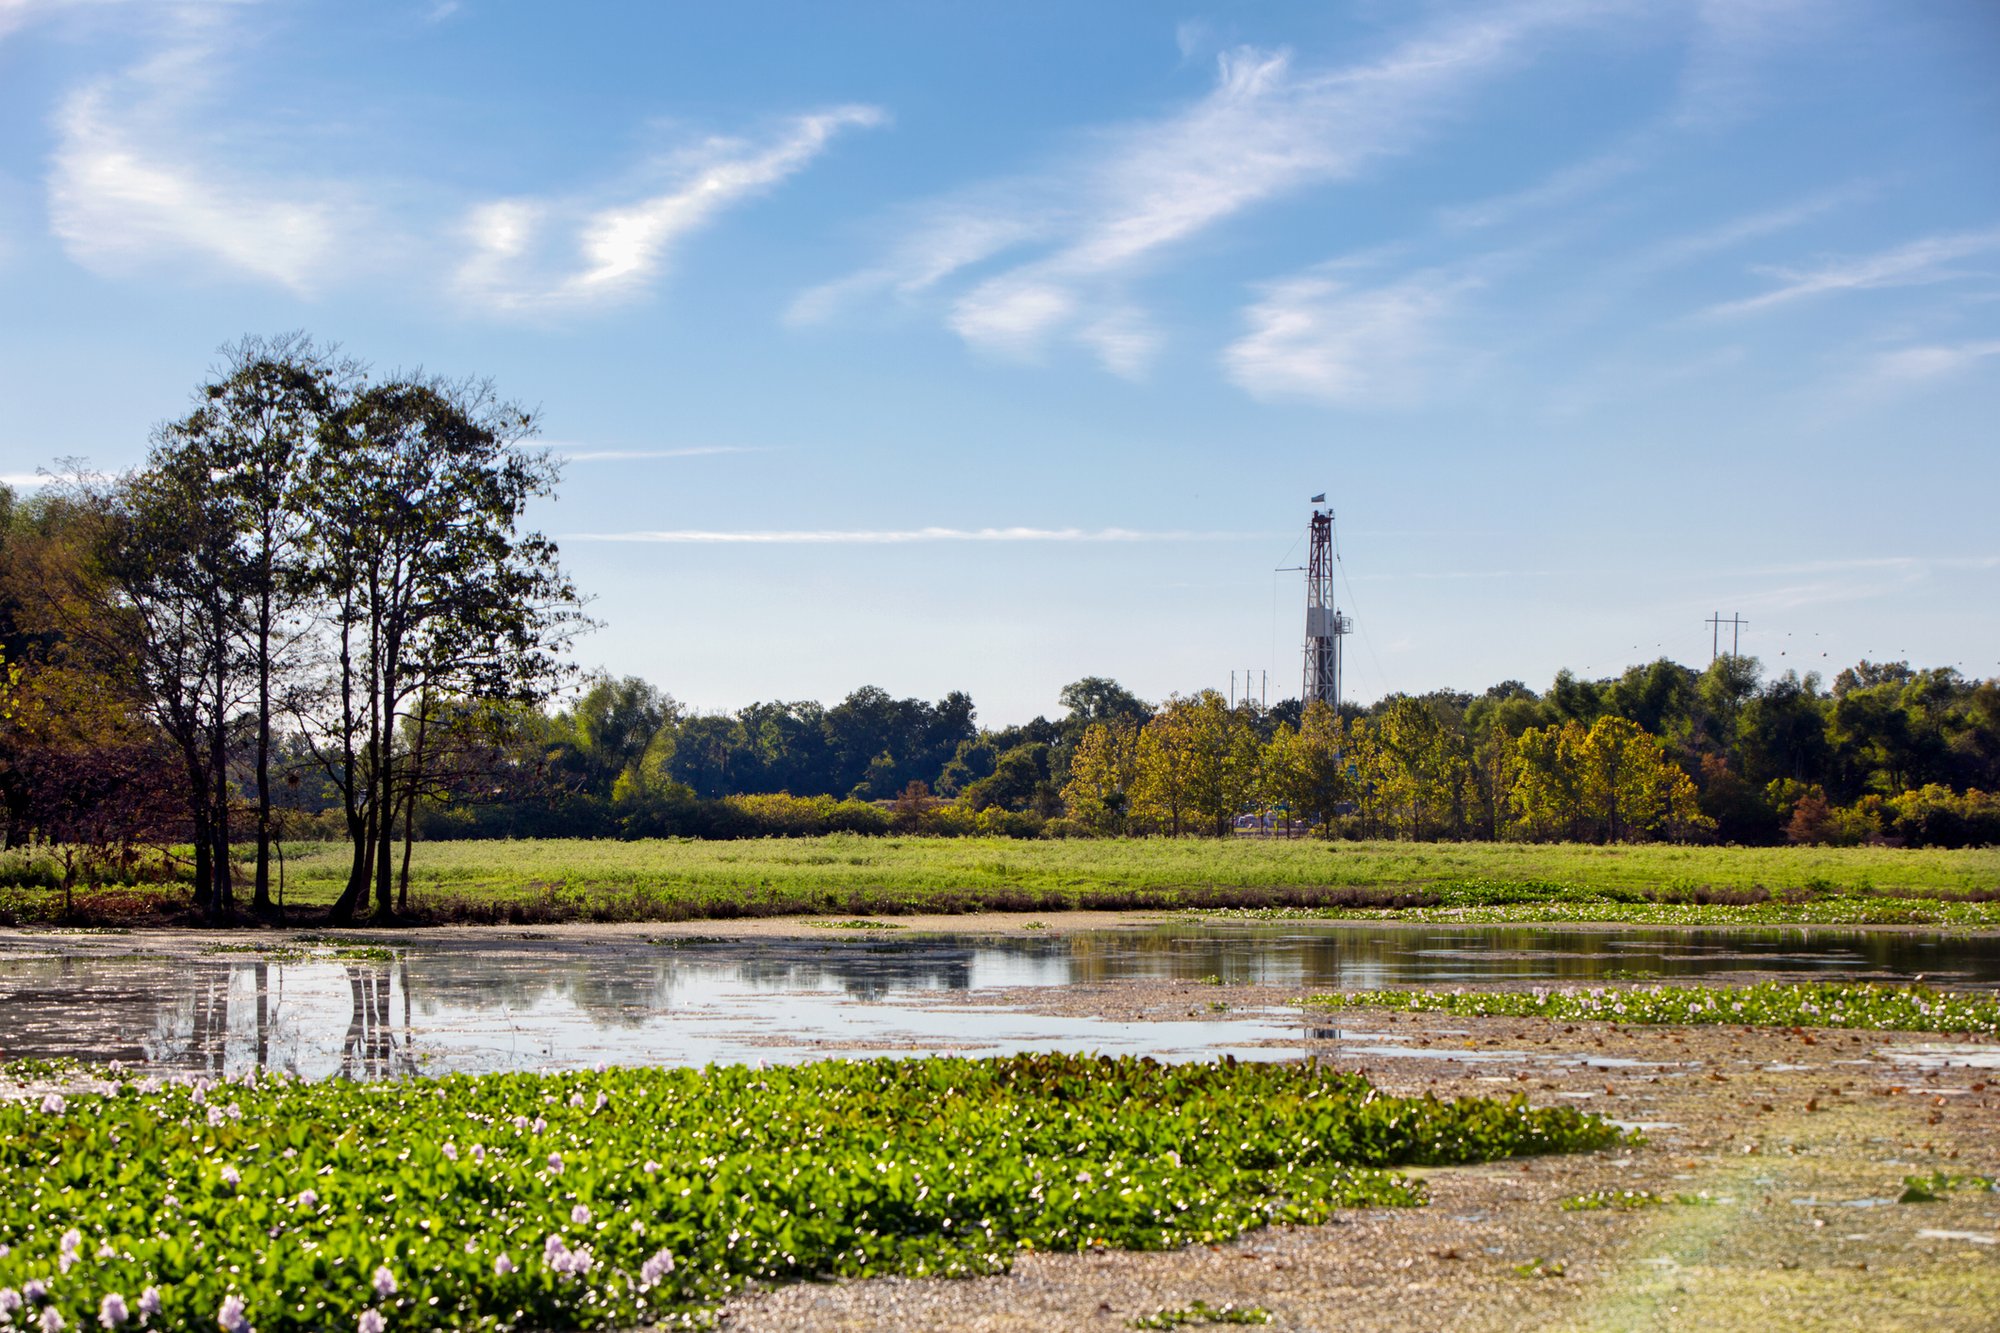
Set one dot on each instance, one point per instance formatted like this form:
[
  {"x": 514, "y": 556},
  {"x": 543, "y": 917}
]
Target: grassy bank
[
  {"x": 850, "y": 875},
  {"x": 618, "y": 1198}
]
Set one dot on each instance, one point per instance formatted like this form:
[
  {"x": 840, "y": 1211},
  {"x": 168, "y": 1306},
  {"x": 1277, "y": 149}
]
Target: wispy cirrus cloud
[
  {"x": 1901, "y": 564},
  {"x": 541, "y": 254},
  {"x": 149, "y": 170},
  {"x": 900, "y": 536},
  {"x": 1317, "y": 336},
  {"x": 1907, "y": 366},
  {"x": 1925, "y": 260},
  {"x": 571, "y": 454},
  {"x": 132, "y": 183},
  {"x": 1269, "y": 128}
]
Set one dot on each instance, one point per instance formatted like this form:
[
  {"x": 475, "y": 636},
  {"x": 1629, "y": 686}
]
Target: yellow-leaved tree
[
  {"x": 1197, "y": 766},
  {"x": 1610, "y": 782},
  {"x": 1098, "y": 794},
  {"x": 1307, "y": 771}
]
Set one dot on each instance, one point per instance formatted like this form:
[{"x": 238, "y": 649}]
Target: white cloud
[
  {"x": 17, "y": 14},
  {"x": 133, "y": 182},
  {"x": 1317, "y": 337},
  {"x": 1564, "y": 186},
  {"x": 1904, "y": 564},
  {"x": 1730, "y": 42},
  {"x": 1125, "y": 342},
  {"x": 570, "y": 455},
  {"x": 22, "y": 481},
  {"x": 539, "y": 254},
  {"x": 1266, "y": 130},
  {"x": 146, "y": 173},
  {"x": 1919, "y": 365},
  {"x": 895, "y": 537},
  {"x": 1921, "y": 261}
]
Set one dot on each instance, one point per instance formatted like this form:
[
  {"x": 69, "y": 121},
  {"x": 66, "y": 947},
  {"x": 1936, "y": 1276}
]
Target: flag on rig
[{"x": 1320, "y": 498}]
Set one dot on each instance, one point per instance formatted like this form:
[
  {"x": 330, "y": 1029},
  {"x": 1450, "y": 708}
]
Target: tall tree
[
  {"x": 415, "y": 500},
  {"x": 256, "y": 423}
]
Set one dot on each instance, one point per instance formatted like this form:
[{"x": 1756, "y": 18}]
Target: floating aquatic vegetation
[
  {"x": 1201, "y": 1312},
  {"x": 1823, "y": 1004},
  {"x": 630, "y": 1196}
]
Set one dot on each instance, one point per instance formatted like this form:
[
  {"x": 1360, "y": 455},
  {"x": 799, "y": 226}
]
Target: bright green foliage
[
  {"x": 1826, "y": 1004},
  {"x": 1627, "y": 1200},
  {"x": 1935, "y": 1186},
  {"x": 291, "y": 1195},
  {"x": 1198, "y": 764},
  {"x": 1101, "y": 773},
  {"x": 1201, "y": 1312},
  {"x": 1609, "y": 781},
  {"x": 1306, "y": 771}
]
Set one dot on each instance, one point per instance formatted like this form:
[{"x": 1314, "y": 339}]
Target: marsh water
[{"x": 483, "y": 1001}]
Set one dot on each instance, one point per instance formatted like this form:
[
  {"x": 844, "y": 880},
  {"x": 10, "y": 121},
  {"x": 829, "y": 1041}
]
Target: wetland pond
[{"x": 478, "y": 1001}]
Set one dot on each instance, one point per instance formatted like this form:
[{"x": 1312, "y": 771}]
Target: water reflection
[{"x": 475, "y": 1002}]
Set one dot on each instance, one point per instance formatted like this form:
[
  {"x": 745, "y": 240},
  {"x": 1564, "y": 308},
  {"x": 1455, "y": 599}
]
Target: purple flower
[
  {"x": 656, "y": 1268},
  {"x": 308, "y": 1198},
  {"x": 231, "y": 1176},
  {"x": 576, "y": 1100},
  {"x": 371, "y": 1322},
  {"x": 602, "y": 1102},
  {"x": 34, "y": 1289},
  {"x": 580, "y": 1215},
  {"x": 52, "y": 1320},
  {"x": 53, "y": 1104},
  {"x": 149, "y": 1303},
  {"x": 556, "y": 1162},
  {"x": 650, "y": 1167},
  {"x": 10, "y": 1301},
  {"x": 450, "y": 1151},
  {"x": 232, "y": 1316},
  {"x": 539, "y": 1125},
  {"x": 502, "y": 1266},
  {"x": 478, "y": 1152},
  {"x": 215, "y": 1116},
  {"x": 385, "y": 1282},
  {"x": 111, "y": 1311}
]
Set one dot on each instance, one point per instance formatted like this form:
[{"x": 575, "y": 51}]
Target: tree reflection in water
[
  {"x": 478, "y": 1001},
  {"x": 371, "y": 1049}
]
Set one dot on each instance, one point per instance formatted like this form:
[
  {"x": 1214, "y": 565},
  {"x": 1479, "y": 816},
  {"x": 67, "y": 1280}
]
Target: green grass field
[{"x": 854, "y": 875}]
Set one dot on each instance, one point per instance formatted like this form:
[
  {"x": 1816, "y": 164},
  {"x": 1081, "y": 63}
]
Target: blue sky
[{"x": 987, "y": 347}]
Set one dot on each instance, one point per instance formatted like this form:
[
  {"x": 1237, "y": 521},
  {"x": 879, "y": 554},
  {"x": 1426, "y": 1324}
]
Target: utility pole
[{"x": 1736, "y": 622}]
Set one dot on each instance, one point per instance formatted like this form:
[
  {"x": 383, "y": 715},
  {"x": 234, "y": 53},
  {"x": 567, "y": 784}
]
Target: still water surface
[{"x": 483, "y": 1002}]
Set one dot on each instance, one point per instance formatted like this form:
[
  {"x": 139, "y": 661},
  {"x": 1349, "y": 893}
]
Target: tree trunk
[
  {"x": 385, "y": 798},
  {"x": 410, "y": 802},
  {"x": 260, "y": 898},
  {"x": 204, "y": 847}
]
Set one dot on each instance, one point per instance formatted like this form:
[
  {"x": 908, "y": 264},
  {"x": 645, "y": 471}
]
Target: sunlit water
[{"x": 526, "y": 1002}]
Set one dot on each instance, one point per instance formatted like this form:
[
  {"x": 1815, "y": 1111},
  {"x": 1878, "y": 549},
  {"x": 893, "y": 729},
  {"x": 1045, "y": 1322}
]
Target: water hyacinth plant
[
  {"x": 636, "y": 1196},
  {"x": 1822, "y": 1004}
]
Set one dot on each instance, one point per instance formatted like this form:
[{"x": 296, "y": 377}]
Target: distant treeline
[
  {"x": 314, "y": 613},
  {"x": 1886, "y": 754}
]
